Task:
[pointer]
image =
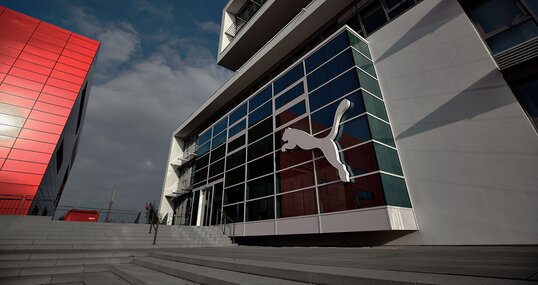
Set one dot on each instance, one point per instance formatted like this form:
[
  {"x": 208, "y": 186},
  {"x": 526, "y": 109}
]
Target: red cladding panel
[
  {"x": 33, "y": 145},
  {"x": 42, "y": 71}
]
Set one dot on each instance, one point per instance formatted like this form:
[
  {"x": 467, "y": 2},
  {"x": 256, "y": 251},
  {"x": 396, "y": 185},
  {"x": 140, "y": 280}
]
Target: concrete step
[
  {"x": 207, "y": 275},
  {"x": 88, "y": 278},
  {"x": 310, "y": 274},
  {"x": 21, "y": 264},
  {"x": 105, "y": 246},
  {"x": 58, "y": 255},
  {"x": 138, "y": 275},
  {"x": 51, "y": 270}
]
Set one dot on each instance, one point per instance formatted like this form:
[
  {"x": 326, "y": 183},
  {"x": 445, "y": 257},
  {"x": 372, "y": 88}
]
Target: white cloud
[
  {"x": 148, "y": 7},
  {"x": 130, "y": 119},
  {"x": 119, "y": 41},
  {"x": 208, "y": 26}
]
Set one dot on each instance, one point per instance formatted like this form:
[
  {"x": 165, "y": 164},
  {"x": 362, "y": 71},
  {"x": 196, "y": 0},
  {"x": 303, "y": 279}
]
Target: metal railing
[
  {"x": 114, "y": 215},
  {"x": 225, "y": 221},
  {"x": 153, "y": 218},
  {"x": 244, "y": 15},
  {"x": 15, "y": 204}
]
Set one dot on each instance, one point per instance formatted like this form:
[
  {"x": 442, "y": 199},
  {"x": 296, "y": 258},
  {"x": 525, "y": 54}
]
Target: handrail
[
  {"x": 153, "y": 222},
  {"x": 226, "y": 218}
]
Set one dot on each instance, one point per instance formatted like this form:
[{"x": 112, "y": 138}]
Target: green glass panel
[
  {"x": 369, "y": 83},
  {"x": 357, "y": 43},
  {"x": 374, "y": 106},
  {"x": 395, "y": 191},
  {"x": 380, "y": 131},
  {"x": 364, "y": 63},
  {"x": 387, "y": 159}
]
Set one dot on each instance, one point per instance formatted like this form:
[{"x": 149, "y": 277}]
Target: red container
[{"x": 82, "y": 215}]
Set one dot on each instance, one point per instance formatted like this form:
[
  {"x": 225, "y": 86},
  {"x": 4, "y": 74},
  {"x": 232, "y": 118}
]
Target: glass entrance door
[{"x": 210, "y": 204}]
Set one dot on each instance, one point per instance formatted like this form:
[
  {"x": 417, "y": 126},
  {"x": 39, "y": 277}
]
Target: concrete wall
[
  {"x": 468, "y": 151},
  {"x": 171, "y": 179}
]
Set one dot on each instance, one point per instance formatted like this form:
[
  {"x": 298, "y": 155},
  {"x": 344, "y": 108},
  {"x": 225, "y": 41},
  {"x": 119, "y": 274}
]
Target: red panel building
[{"x": 44, "y": 87}]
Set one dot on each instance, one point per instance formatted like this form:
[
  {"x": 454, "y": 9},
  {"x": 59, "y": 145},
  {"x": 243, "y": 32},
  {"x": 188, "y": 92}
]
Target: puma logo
[{"x": 297, "y": 138}]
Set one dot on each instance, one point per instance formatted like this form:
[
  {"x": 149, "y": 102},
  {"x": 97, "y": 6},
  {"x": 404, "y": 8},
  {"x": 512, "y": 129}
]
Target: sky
[{"x": 156, "y": 66}]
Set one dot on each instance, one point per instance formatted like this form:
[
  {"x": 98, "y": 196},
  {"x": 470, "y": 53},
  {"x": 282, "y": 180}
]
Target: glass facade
[{"x": 260, "y": 182}]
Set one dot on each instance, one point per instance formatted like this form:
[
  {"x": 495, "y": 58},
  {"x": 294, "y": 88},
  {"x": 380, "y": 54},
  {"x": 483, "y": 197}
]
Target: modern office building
[
  {"x": 367, "y": 122},
  {"x": 45, "y": 75}
]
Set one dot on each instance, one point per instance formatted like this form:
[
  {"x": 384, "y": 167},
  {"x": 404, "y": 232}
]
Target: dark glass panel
[
  {"x": 373, "y": 17},
  {"x": 260, "y": 130},
  {"x": 324, "y": 118},
  {"x": 327, "y": 51},
  {"x": 348, "y": 196},
  {"x": 291, "y": 94},
  {"x": 298, "y": 177},
  {"x": 289, "y": 78},
  {"x": 330, "y": 69},
  {"x": 361, "y": 46},
  {"x": 235, "y": 212},
  {"x": 235, "y": 176},
  {"x": 375, "y": 106},
  {"x": 204, "y": 137},
  {"x": 260, "y": 98},
  {"x": 400, "y": 9},
  {"x": 200, "y": 176},
  {"x": 218, "y": 153},
  {"x": 235, "y": 159},
  {"x": 395, "y": 191},
  {"x": 236, "y": 143},
  {"x": 494, "y": 14},
  {"x": 218, "y": 140},
  {"x": 369, "y": 83},
  {"x": 260, "y": 114},
  {"x": 290, "y": 114},
  {"x": 292, "y": 157},
  {"x": 364, "y": 63},
  {"x": 215, "y": 178},
  {"x": 333, "y": 90},
  {"x": 201, "y": 162},
  {"x": 259, "y": 167},
  {"x": 325, "y": 172},
  {"x": 353, "y": 132},
  {"x": 533, "y": 6},
  {"x": 513, "y": 36},
  {"x": 260, "y": 187},
  {"x": 262, "y": 209},
  {"x": 220, "y": 126},
  {"x": 297, "y": 204},
  {"x": 381, "y": 131},
  {"x": 237, "y": 128},
  {"x": 388, "y": 159},
  {"x": 202, "y": 149},
  {"x": 238, "y": 113},
  {"x": 216, "y": 168},
  {"x": 360, "y": 160},
  {"x": 234, "y": 194},
  {"x": 260, "y": 147}
]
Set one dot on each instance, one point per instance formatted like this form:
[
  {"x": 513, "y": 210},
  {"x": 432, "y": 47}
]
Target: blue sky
[{"x": 156, "y": 65}]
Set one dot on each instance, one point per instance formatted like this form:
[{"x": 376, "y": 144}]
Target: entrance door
[{"x": 209, "y": 205}]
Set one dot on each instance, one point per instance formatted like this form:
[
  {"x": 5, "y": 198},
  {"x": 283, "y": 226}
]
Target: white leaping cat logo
[{"x": 297, "y": 138}]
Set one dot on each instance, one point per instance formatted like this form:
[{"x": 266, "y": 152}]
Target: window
[
  {"x": 260, "y": 148},
  {"x": 347, "y": 196},
  {"x": 373, "y": 17},
  {"x": 238, "y": 113},
  {"x": 262, "y": 209},
  {"x": 289, "y": 95},
  {"x": 329, "y": 50},
  {"x": 235, "y": 176},
  {"x": 59, "y": 157},
  {"x": 234, "y": 194},
  {"x": 260, "y": 187},
  {"x": 503, "y": 23},
  {"x": 81, "y": 107},
  {"x": 220, "y": 125},
  {"x": 333, "y": 90},
  {"x": 289, "y": 78},
  {"x": 218, "y": 153},
  {"x": 290, "y": 114},
  {"x": 234, "y": 212},
  {"x": 236, "y": 143},
  {"x": 330, "y": 69},
  {"x": 324, "y": 118},
  {"x": 260, "y": 167},
  {"x": 235, "y": 159},
  {"x": 296, "y": 204},
  {"x": 527, "y": 93},
  {"x": 260, "y": 98},
  {"x": 237, "y": 128},
  {"x": 260, "y": 130},
  {"x": 260, "y": 113},
  {"x": 297, "y": 177}
]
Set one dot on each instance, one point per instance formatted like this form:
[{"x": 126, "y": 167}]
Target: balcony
[{"x": 248, "y": 25}]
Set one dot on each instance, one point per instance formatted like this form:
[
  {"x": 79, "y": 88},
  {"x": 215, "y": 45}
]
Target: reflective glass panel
[
  {"x": 200, "y": 176},
  {"x": 234, "y": 194},
  {"x": 292, "y": 157},
  {"x": 381, "y": 131},
  {"x": 235, "y": 176},
  {"x": 260, "y": 147},
  {"x": 235, "y": 159},
  {"x": 260, "y": 113},
  {"x": 201, "y": 162},
  {"x": 513, "y": 36},
  {"x": 237, "y": 128},
  {"x": 395, "y": 191},
  {"x": 297, "y": 177},
  {"x": 493, "y": 14},
  {"x": 333, "y": 90},
  {"x": 202, "y": 149},
  {"x": 327, "y": 51},
  {"x": 289, "y": 78},
  {"x": 364, "y": 192},
  {"x": 236, "y": 143},
  {"x": 204, "y": 137},
  {"x": 373, "y": 17},
  {"x": 262, "y": 209},
  {"x": 291, "y": 94},
  {"x": 238, "y": 113},
  {"x": 235, "y": 212},
  {"x": 260, "y": 187},
  {"x": 324, "y": 118},
  {"x": 294, "y": 204},
  {"x": 260, "y": 130},
  {"x": 388, "y": 159},
  {"x": 260, "y": 98},
  {"x": 218, "y": 140},
  {"x": 259, "y": 167},
  {"x": 218, "y": 153},
  {"x": 220, "y": 126},
  {"x": 290, "y": 114},
  {"x": 331, "y": 69},
  {"x": 216, "y": 168}
]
